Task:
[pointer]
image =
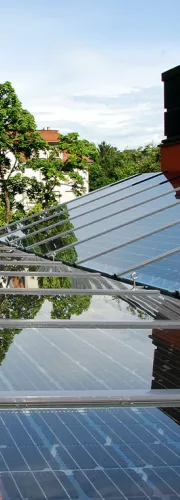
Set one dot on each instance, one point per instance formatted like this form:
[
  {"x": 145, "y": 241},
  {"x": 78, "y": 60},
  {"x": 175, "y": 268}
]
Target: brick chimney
[{"x": 170, "y": 147}]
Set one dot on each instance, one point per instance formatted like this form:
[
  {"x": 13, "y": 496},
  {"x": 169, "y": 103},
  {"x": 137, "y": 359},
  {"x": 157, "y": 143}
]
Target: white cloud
[{"x": 115, "y": 96}]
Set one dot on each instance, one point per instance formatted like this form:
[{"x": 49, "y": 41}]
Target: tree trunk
[
  {"x": 7, "y": 205},
  {"x": 6, "y": 196}
]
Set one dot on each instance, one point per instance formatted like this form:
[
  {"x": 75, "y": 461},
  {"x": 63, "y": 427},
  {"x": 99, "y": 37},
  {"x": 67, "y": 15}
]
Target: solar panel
[
  {"x": 90, "y": 206},
  {"x": 89, "y": 366},
  {"x": 118, "y": 453},
  {"x": 105, "y": 191},
  {"x": 115, "y": 230},
  {"x": 98, "y": 340}
]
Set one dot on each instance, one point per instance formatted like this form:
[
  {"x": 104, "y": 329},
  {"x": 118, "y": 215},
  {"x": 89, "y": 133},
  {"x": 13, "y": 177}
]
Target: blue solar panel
[
  {"x": 93, "y": 227},
  {"x": 95, "y": 231},
  {"x": 163, "y": 274},
  {"x": 87, "y": 202},
  {"x": 89, "y": 454}
]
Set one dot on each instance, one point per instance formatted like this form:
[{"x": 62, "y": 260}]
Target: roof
[
  {"x": 50, "y": 136},
  {"x": 89, "y": 365},
  {"x": 56, "y": 374},
  {"x": 132, "y": 225}
]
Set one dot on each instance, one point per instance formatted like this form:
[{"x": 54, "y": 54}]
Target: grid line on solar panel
[
  {"x": 135, "y": 259},
  {"x": 69, "y": 231},
  {"x": 25, "y": 369},
  {"x": 116, "y": 262},
  {"x": 110, "y": 203},
  {"x": 101, "y": 240},
  {"x": 59, "y": 363},
  {"x": 91, "y": 194},
  {"x": 162, "y": 274},
  {"x": 126, "y": 480},
  {"x": 126, "y": 242},
  {"x": 98, "y": 234},
  {"x": 61, "y": 211},
  {"x": 88, "y": 202}
]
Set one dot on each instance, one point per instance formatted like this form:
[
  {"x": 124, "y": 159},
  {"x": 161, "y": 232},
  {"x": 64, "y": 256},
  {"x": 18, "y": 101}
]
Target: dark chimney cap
[{"x": 171, "y": 73}]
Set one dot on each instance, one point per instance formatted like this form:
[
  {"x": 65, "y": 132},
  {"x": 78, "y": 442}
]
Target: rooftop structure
[
  {"x": 89, "y": 345},
  {"x": 50, "y": 136}
]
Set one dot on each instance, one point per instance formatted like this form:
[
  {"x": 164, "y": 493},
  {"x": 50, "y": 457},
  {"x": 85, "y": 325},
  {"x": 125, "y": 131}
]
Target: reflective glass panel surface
[
  {"x": 97, "y": 235},
  {"x": 109, "y": 215},
  {"x": 134, "y": 254},
  {"x": 90, "y": 454},
  {"x": 86, "y": 199},
  {"x": 163, "y": 274},
  {"x": 68, "y": 359},
  {"x": 37, "y": 358},
  {"x": 90, "y": 202}
]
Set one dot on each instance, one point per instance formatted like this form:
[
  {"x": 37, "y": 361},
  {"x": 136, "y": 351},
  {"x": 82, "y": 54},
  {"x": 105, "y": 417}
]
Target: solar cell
[
  {"x": 83, "y": 452},
  {"x": 97, "y": 235},
  {"x": 118, "y": 453}
]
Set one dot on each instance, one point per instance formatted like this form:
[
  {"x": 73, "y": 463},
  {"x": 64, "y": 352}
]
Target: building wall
[{"x": 64, "y": 192}]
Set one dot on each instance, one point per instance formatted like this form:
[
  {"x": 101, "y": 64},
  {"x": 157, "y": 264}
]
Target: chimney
[{"x": 170, "y": 147}]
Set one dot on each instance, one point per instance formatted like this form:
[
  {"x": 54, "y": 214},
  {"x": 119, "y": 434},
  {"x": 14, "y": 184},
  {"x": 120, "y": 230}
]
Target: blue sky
[{"x": 92, "y": 66}]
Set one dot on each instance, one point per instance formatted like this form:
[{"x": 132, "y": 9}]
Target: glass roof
[
  {"x": 89, "y": 365},
  {"x": 130, "y": 225},
  {"x": 73, "y": 359},
  {"x": 64, "y": 329}
]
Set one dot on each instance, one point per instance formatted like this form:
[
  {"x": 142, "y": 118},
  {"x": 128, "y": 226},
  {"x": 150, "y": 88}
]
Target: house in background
[
  {"x": 64, "y": 192},
  {"x": 50, "y": 136}
]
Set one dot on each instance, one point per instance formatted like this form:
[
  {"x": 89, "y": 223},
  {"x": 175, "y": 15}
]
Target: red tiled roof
[{"x": 50, "y": 136}]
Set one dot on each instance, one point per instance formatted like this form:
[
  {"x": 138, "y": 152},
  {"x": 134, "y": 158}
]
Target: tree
[
  {"x": 61, "y": 235},
  {"x": 20, "y": 144},
  {"x": 19, "y": 140},
  {"x": 19, "y": 307},
  {"x": 113, "y": 165},
  {"x": 27, "y": 307},
  {"x": 63, "y": 307},
  {"x": 79, "y": 154}
]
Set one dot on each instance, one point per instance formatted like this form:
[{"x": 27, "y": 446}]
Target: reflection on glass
[
  {"x": 36, "y": 221},
  {"x": 30, "y": 238},
  {"x": 166, "y": 365},
  {"x": 27, "y": 307},
  {"x": 16, "y": 308},
  {"x": 49, "y": 359},
  {"x": 114, "y": 454},
  {"x": 69, "y": 255}
]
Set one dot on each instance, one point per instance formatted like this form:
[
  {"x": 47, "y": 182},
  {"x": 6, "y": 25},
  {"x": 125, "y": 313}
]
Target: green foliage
[
  {"x": 19, "y": 140},
  {"x": 21, "y": 307},
  {"x": 27, "y": 307},
  {"x": 63, "y": 307},
  {"x": 114, "y": 165},
  {"x": 80, "y": 153},
  {"x": 79, "y": 149},
  {"x": 20, "y": 144},
  {"x": 61, "y": 236},
  {"x": 69, "y": 306},
  {"x": 2, "y": 213}
]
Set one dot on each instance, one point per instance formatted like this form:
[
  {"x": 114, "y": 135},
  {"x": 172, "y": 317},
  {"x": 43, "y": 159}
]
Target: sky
[{"x": 91, "y": 66}]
